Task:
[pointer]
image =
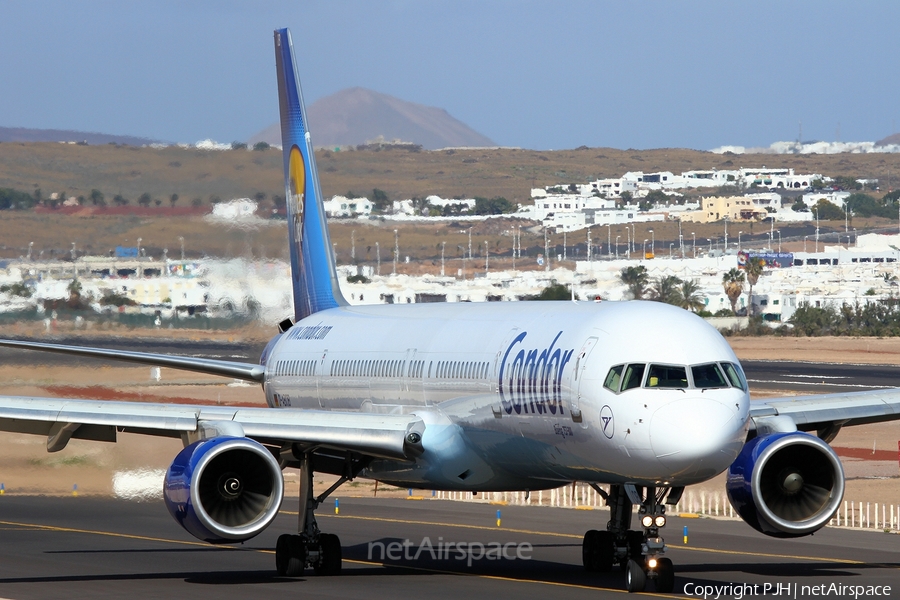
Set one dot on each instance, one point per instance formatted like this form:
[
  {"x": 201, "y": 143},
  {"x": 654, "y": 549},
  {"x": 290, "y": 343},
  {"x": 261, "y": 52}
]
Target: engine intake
[
  {"x": 224, "y": 489},
  {"x": 786, "y": 484}
]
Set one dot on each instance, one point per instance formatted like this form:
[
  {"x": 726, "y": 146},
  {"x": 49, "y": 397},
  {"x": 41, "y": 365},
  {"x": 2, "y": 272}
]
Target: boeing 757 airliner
[{"x": 642, "y": 396}]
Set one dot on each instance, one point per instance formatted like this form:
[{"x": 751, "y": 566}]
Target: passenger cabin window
[
  {"x": 614, "y": 378},
  {"x": 708, "y": 376},
  {"x": 666, "y": 376},
  {"x": 634, "y": 375}
]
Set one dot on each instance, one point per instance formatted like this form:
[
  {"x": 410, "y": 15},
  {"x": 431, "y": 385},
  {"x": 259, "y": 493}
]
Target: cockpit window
[
  {"x": 667, "y": 376},
  {"x": 735, "y": 376},
  {"x": 613, "y": 378},
  {"x": 705, "y": 376},
  {"x": 634, "y": 374},
  {"x": 708, "y": 376}
]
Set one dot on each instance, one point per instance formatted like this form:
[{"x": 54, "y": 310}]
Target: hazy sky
[{"x": 534, "y": 74}]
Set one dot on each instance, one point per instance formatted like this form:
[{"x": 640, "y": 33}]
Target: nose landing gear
[{"x": 639, "y": 553}]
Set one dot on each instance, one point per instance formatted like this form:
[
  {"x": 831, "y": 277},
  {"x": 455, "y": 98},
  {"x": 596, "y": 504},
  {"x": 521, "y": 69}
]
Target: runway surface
[
  {"x": 102, "y": 548},
  {"x": 819, "y": 378}
]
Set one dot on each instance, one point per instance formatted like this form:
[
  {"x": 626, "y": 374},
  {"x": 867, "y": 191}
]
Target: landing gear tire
[
  {"x": 290, "y": 555},
  {"x": 597, "y": 551},
  {"x": 330, "y": 555},
  {"x": 665, "y": 576},
  {"x": 635, "y": 539},
  {"x": 635, "y": 577},
  {"x": 589, "y": 550}
]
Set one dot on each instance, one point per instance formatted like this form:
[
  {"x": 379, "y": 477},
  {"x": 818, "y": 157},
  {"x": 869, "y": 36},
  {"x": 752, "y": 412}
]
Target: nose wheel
[{"x": 639, "y": 552}]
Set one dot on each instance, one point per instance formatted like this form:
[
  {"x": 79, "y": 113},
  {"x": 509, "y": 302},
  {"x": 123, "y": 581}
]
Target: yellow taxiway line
[{"x": 34, "y": 526}]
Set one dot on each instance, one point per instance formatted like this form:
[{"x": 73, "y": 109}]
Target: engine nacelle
[
  {"x": 224, "y": 489},
  {"x": 786, "y": 484}
]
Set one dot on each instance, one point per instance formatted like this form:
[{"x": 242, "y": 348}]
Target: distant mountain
[
  {"x": 21, "y": 134},
  {"x": 889, "y": 140},
  {"x": 356, "y": 116}
]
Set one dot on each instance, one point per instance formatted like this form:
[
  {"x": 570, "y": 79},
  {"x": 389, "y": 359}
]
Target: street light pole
[
  {"x": 739, "y": 240},
  {"x": 710, "y": 245},
  {"x": 817, "y": 231},
  {"x": 444, "y": 244},
  {"x": 378, "y": 258},
  {"x": 617, "y": 246},
  {"x": 397, "y": 250},
  {"x": 694, "y": 245},
  {"x": 546, "y": 252},
  {"x": 644, "y": 250},
  {"x": 652, "y": 242},
  {"x": 779, "y": 241},
  {"x": 181, "y": 239},
  {"x": 589, "y": 245}
]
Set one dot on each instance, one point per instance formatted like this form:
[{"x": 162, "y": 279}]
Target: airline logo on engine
[{"x": 531, "y": 378}]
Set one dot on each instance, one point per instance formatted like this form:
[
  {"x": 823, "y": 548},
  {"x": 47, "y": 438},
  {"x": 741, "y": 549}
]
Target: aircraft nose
[{"x": 696, "y": 437}]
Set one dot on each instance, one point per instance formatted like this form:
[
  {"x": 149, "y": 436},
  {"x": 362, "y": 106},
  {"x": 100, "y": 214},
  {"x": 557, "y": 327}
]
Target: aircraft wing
[
  {"x": 60, "y": 419},
  {"x": 226, "y": 368},
  {"x": 842, "y": 409}
]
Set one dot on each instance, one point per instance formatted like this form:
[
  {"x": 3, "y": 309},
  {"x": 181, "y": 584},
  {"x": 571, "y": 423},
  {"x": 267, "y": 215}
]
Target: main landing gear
[
  {"x": 639, "y": 553},
  {"x": 310, "y": 548}
]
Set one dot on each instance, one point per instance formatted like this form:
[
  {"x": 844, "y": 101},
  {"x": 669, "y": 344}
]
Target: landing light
[
  {"x": 660, "y": 521},
  {"x": 647, "y": 521},
  {"x": 651, "y": 563}
]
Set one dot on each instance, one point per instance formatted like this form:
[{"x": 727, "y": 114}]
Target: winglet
[{"x": 313, "y": 274}]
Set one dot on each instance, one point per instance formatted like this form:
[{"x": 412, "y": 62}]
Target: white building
[
  {"x": 613, "y": 188},
  {"x": 836, "y": 198},
  {"x": 550, "y": 204},
  {"x": 776, "y": 178},
  {"x": 341, "y": 206},
  {"x": 239, "y": 208}
]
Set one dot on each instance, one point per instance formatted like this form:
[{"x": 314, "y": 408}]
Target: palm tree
[
  {"x": 733, "y": 282},
  {"x": 753, "y": 269},
  {"x": 665, "y": 289},
  {"x": 689, "y": 296},
  {"x": 635, "y": 279}
]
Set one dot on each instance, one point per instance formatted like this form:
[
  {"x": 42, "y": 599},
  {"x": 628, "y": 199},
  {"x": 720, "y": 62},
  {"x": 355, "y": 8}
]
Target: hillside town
[{"x": 860, "y": 268}]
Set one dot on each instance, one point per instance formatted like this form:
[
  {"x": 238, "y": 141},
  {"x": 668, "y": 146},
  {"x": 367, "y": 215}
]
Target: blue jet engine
[
  {"x": 786, "y": 484},
  {"x": 224, "y": 489}
]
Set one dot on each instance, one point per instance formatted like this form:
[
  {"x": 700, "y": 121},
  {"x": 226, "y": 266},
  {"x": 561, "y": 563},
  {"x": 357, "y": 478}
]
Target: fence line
[{"x": 855, "y": 515}]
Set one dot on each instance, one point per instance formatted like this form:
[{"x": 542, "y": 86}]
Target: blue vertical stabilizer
[{"x": 313, "y": 275}]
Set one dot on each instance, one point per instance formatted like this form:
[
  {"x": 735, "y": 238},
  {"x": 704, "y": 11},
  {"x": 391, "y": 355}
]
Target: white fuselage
[{"x": 513, "y": 395}]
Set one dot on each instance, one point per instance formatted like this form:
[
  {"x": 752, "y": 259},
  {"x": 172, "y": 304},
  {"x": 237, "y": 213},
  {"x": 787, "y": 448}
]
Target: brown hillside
[
  {"x": 356, "y": 116},
  {"x": 510, "y": 173}
]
